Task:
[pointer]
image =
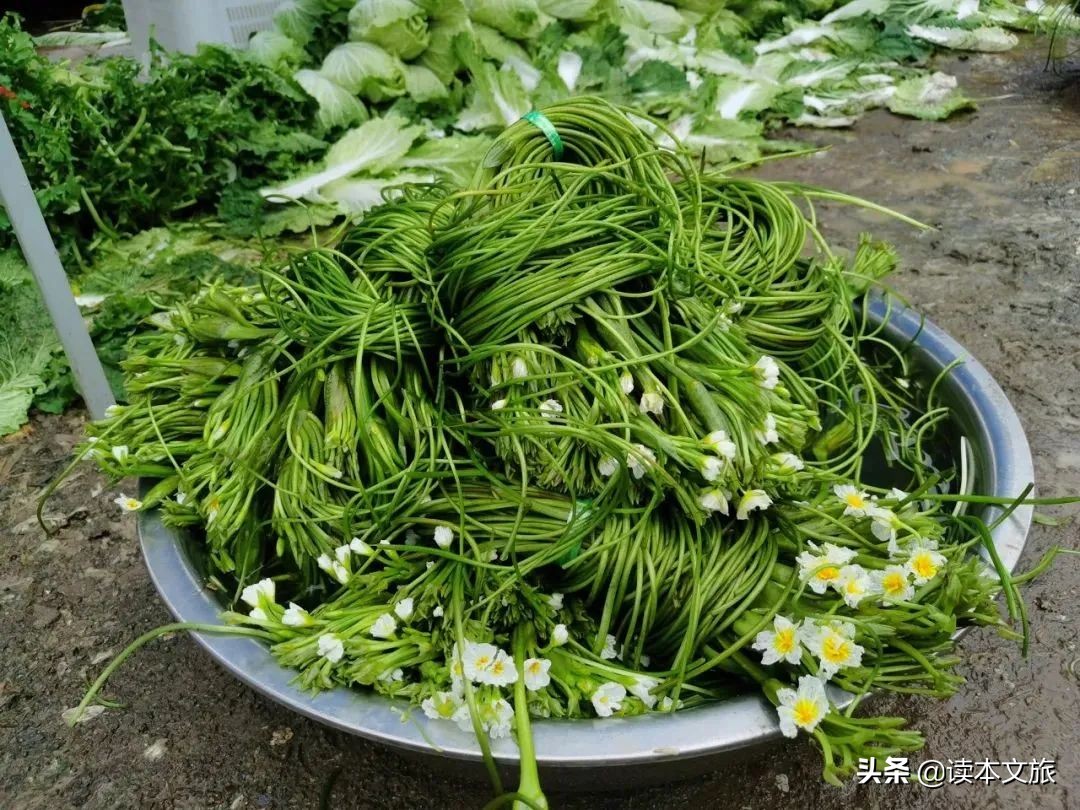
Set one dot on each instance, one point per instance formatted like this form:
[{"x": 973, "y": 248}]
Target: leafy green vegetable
[
  {"x": 398, "y": 26},
  {"x": 365, "y": 69},
  {"x": 277, "y": 51},
  {"x": 337, "y": 106},
  {"x": 109, "y": 153},
  {"x": 373, "y": 147},
  {"x": 517, "y": 19},
  {"x": 27, "y": 342}
]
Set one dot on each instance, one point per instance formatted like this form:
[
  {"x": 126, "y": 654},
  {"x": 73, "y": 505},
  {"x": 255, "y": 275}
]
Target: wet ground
[{"x": 1001, "y": 272}]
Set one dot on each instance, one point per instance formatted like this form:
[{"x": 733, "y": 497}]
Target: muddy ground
[{"x": 1001, "y": 273}]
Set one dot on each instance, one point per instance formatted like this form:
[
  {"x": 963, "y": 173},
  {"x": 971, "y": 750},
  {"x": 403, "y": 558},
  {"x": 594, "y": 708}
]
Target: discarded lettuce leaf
[{"x": 932, "y": 98}]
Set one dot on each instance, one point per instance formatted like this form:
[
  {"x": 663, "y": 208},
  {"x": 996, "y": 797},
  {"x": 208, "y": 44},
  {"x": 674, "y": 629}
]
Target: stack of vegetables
[
  {"x": 347, "y": 99},
  {"x": 583, "y": 438},
  {"x": 720, "y": 74}
]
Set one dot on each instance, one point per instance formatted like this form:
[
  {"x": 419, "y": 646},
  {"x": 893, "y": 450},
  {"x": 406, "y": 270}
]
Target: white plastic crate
[{"x": 180, "y": 25}]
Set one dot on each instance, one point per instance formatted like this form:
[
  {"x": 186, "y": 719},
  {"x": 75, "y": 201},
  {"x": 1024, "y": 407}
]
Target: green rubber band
[{"x": 541, "y": 122}]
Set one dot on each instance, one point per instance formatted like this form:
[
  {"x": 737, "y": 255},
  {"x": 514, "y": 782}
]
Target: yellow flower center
[
  {"x": 828, "y": 573},
  {"x": 853, "y": 587},
  {"x": 805, "y": 712},
  {"x": 132, "y": 503},
  {"x": 855, "y": 500},
  {"x": 923, "y": 565},
  {"x": 534, "y": 668},
  {"x": 894, "y": 583},
  {"x": 482, "y": 662},
  {"x": 836, "y": 649},
  {"x": 785, "y": 640},
  {"x": 498, "y": 668}
]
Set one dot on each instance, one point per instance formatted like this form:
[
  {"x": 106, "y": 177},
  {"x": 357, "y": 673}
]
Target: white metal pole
[{"x": 37, "y": 246}]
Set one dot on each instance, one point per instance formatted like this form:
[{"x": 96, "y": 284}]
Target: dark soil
[{"x": 1001, "y": 272}]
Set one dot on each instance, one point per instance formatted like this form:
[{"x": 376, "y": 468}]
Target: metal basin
[{"x": 615, "y": 752}]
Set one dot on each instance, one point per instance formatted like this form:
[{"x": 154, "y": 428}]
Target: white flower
[
  {"x": 609, "y": 648},
  {"x": 645, "y": 660},
  {"x": 384, "y": 626},
  {"x": 626, "y": 383},
  {"x": 555, "y": 601},
  {"x": 820, "y": 567},
  {"x": 608, "y": 698},
  {"x": 127, "y": 504},
  {"x": 264, "y": 587},
  {"x": 856, "y": 502},
  {"x": 463, "y": 718},
  {"x": 334, "y": 568},
  {"x": 560, "y": 635},
  {"x": 833, "y": 643},
  {"x": 441, "y": 705},
  {"x": 113, "y": 410},
  {"x": 181, "y": 498},
  {"x": 787, "y": 463},
  {"x": 719, "y": 443},
  {"x": 752, "y": 499},
  {"x": 212, "y": 510},
  {"x": 477, "y": 660},
  {"x": 854, "y": 584},
  {"x": 768, "y": 373},
  {"x": 607, "y": 466},
  {"x": 782, "y": 643},
  {"x": 498, "y": 404},
  {"x": 804, "y": 708},
  {"x": 768, "y": 434},
  {"x": 651, "y": 402},
  {"x": 884, "y": 525},
  {"x": 642, "y": 688},
  {"x": 358, "y": 546},
  {"x": 925, "y": 561},
  {"x": 343, "y": 553},
  {"x": 444, "y": 536},
  {"x": 496, "y": 717},
  {"x": 893, "y": 583},
  {"x": 437, "y": 612},
  {"x": 715, "y": 500},
  {"x": 404, "y": 608},
  {"x": 639, "y": 459},
  {"x": 429, "y": 564},
  {"x": 391, "y": 675},
  {"x": 296, "y": 616},
  {"x": 331, "y": 648},
  {"x": 502, "y": 671},
  {"x": 667, "y": 704},
  {"x": 120, "y": 453},
  {"x": 519, "y": 368},
  {"x": 550, "y": 408},
  {"x": 711, "y": 468},
  {"x": 536, "y": 673}
]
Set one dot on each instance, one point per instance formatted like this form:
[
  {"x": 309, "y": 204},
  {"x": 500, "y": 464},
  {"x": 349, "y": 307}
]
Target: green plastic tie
[{"x": 541, "y": 122}]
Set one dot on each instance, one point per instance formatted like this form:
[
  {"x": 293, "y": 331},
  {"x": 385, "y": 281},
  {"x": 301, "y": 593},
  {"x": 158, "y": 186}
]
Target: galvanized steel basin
[{"x": 614, "y": 752}]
